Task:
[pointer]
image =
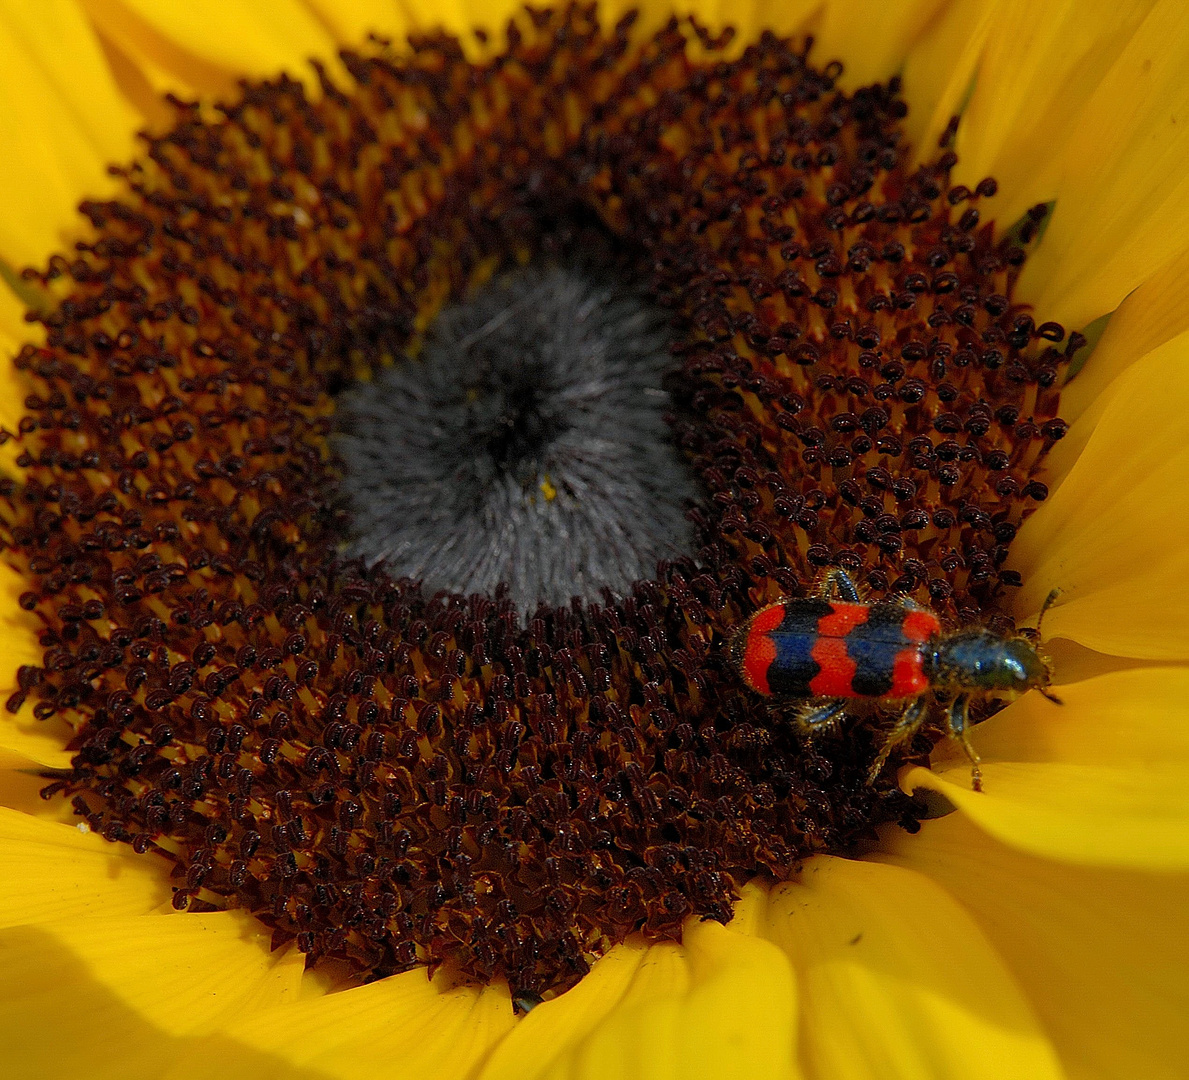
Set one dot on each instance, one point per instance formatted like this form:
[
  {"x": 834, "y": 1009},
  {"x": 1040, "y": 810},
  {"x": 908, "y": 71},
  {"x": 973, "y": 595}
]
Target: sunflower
[{"x": 304, "y": 775}]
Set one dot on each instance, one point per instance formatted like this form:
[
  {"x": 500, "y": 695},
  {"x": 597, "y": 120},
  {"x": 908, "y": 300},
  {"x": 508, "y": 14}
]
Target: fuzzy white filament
[{"x": 526, "y": 446}]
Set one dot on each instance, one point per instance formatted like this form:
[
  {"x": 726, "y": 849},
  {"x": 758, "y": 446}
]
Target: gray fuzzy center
[{"x": 525, "y": 446}]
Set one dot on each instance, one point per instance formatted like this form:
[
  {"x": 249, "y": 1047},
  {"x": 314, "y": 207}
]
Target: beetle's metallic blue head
[{"x": 976, "y": 659}]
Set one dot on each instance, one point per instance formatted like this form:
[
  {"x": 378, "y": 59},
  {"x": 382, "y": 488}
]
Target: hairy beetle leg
[
  {"x": 837, "y": 584},
  {"x": 909, "y": 723},
  {"x": 819, "y": 717}
]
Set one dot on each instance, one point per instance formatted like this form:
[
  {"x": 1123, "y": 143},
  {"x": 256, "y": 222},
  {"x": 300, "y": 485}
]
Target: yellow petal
[
  {"x": 402, "y": 1026},
  {"x": 145, "y": 90},
  {"x": 1101, "y": 779},
  {"x": 51, "y": 871},
  {"x": 749, "y": 18},
  {"x": 143, "y": 53},
  {"x": 720, "y": 1004},
  {"x": 871, "y": 40},
  {"x": 1156, "y": 312},
  {"x": 940, "y": 71},
  {"x": 1120, "y": 354},
  {"x": 352, "y": 22},
  {"x": 1041, "y": 65},
  {"x": 40, "y": 741},
  {"x": 1123, "y": 201},
  {"x": 21, "y": 783},
  {"x": 899, "y": 982},
  {"x": 1109, "y": 537},
  {"x": 116, "y": 997},
  {"x": 58, "y": 39},
  {"x": 63, "y": 120},
  {"x": 230, "y": 35},
  {"x": 462, "y": 16},
  {"x": 554, "y": 1028},
  {"x": 1102, "y": 954},
  {"x": 13, "y": 331},
  {"x": 1075, "y": 663}
]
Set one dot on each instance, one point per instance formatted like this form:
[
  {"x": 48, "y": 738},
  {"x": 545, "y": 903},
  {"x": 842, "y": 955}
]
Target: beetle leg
[
  {"x": 837, "y": 583},
  {"x": 819, "y": 716},
  {"x": 905, "y": 728},
  {"x": 959, "y": 724}
]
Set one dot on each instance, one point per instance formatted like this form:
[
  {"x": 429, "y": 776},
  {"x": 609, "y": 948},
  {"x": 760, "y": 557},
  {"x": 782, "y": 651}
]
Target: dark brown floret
[{"x": 395, "y": 779}]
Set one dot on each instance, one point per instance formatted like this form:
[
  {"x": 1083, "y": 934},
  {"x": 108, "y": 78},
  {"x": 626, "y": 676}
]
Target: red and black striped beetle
[{"x": 834, "y": 646}]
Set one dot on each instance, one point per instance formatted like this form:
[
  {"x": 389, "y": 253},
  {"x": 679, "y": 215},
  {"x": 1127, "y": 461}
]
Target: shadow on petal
[{"x": 58, "y": 1020}]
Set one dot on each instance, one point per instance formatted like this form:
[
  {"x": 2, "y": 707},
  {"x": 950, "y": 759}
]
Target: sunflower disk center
[{"x": 525, "y": 447}]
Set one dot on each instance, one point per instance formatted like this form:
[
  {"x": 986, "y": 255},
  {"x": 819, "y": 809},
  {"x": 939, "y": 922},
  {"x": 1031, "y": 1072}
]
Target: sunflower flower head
[
  {"x": 406, "y": 447},
  {"x": 394, "y": 778}
]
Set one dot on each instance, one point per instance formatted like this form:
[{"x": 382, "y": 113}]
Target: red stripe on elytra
[
  {"x": 920, "y": 626},
  {"x": 842, "y": 620},
  {"x": 837, "y": 668},
  {"x": 908, "y": 675},
  {"x": 760, "y": 650}
]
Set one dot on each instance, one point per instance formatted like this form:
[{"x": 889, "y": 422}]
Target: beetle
[{"x": 833, "y": 647}]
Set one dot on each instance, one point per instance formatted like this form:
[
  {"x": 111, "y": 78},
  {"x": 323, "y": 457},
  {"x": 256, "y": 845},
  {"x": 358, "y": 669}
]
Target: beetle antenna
[
  {"x": 1048, "y": 694},
  {"x": 1032, "y": 633},
  {"x": 1049, "y": 600}
]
